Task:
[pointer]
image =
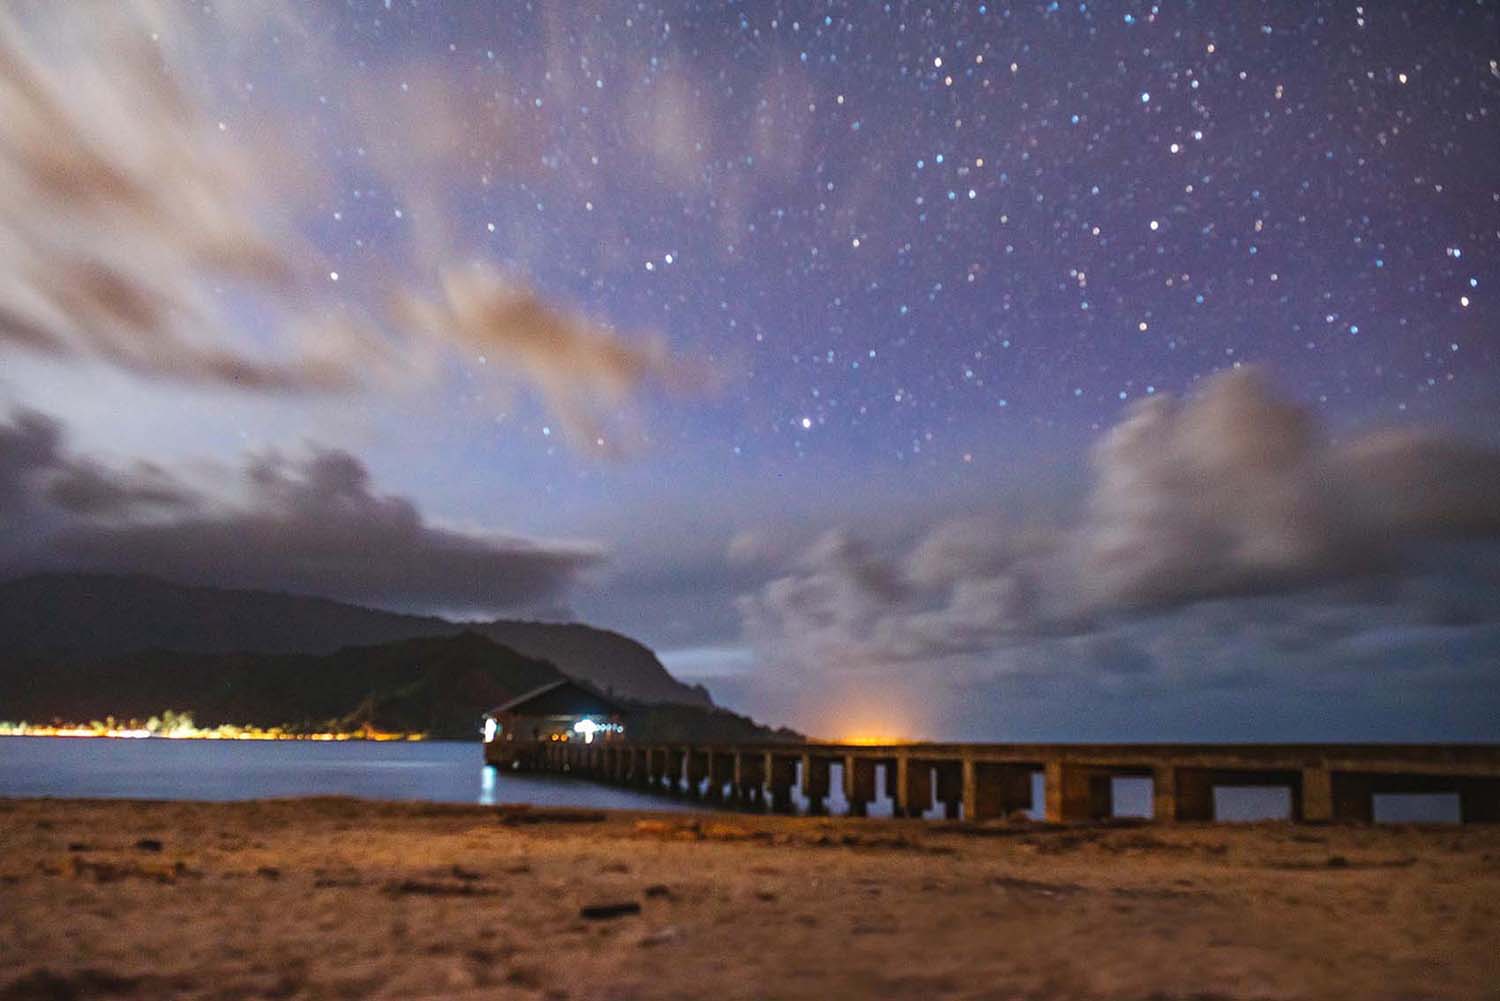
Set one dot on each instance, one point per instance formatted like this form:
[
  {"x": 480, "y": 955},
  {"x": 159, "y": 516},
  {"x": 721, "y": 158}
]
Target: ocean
[{"x": 436, "y": 771}]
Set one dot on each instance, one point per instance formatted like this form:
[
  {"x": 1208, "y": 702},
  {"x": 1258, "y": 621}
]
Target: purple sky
[{"x": 962, "y": 370}]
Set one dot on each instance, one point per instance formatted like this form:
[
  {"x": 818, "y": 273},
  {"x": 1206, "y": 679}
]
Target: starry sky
[{"x": 1053, "y": 370}]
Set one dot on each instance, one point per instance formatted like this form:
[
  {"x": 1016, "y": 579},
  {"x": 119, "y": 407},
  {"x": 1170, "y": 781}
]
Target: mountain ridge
[{"x": 87, "y": 616}]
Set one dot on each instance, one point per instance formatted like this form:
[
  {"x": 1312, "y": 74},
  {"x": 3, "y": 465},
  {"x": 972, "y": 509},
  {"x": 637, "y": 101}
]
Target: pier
[{"x": 975, "y": 782}]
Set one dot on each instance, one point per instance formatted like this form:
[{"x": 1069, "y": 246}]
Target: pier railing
[{"x": 1327, "y": 782}]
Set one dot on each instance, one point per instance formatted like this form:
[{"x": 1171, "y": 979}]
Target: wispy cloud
[{"x": 139, "y": 231}]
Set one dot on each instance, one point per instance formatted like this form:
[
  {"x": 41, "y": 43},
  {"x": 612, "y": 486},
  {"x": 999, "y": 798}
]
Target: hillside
[
  {"x": 101, "y": 617},
  {"x": 437, "y": 685}
]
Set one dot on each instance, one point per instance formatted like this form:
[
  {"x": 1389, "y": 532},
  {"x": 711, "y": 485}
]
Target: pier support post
[
  {"x": 993, "y": 790},
  {"x": 891, "y": 767},
  {"x": 781, "y": 776},
  {"x": 749, "y": 776},
  {"x": 950, "y": 787},
  {"x": 1182, "y": 794},
  {"x": 913, "y": 786},
  {"x": 859, "y": 784},
  {"x": 1312, "y": 800},
  {"x": 816, "y": 775},
  {"x": 640, "y": 766},
  {"x": 675, "y": 756},
  {"x": 720, "y": 772},
  {"x": 1479, "y": 801},
  {"x": 1326, "y": 795},
  {"x": 1077, "y": 793},
  {"x": 653, "y": 767},
  {"x": 697, "y": 771},
  {"x": 1353, "y": 798}
]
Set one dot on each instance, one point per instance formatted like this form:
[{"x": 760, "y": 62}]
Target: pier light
[
  {"x": 491, "y": 728},
  {"x": 530, "y": 725}
]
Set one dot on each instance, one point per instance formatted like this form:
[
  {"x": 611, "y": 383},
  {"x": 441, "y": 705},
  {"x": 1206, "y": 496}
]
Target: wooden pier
[{"x": 1327, "y": 782}]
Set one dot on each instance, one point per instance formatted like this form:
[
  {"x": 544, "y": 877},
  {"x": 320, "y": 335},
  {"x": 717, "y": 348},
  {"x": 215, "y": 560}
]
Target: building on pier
[{"x": 562, "y": 711}]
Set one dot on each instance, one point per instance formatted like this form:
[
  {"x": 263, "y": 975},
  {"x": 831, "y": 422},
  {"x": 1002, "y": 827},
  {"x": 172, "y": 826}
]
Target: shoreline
[{"x": 339, "y": 897}]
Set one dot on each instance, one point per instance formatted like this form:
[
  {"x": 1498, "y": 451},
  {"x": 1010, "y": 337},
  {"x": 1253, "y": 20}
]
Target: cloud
[
  {"x": 1236, "y": 491},
  {"x": 1232, "y": 494},
  {"x": 120, "y": 207},
  {"x": 141, "y": 232},
  {"x": 311, "y": 524},
  {"x": 844, "y": 606},
  {"x": 38, "y": 476},
  {"x": 1226, "y": 493},
  {"x": 1419, "y": 483},
  {"x": 580, "y": 367}
]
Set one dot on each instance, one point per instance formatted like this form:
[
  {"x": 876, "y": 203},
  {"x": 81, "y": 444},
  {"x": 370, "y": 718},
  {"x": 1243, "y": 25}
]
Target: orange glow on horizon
[{"x": 872, "y": 740}]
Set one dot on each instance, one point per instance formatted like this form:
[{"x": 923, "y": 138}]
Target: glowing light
[
  {"x": 491, "y": 728},
  {"x": 590, "y": 728},
  {"x": 170, "y": 726}
]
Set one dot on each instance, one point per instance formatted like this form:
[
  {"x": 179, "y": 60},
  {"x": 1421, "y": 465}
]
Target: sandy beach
[{"x": 335, "y": 898}]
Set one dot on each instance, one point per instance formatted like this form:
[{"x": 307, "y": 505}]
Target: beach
[{"x": 342, "y": 898}]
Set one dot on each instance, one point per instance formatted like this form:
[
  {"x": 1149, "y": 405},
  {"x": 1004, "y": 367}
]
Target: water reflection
[{"x": 436, "y": 771}]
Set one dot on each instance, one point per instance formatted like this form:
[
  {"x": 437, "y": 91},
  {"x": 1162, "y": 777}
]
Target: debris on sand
[
  {"x": 605, "y": 912},
  {"x": 438, "y": 888}
]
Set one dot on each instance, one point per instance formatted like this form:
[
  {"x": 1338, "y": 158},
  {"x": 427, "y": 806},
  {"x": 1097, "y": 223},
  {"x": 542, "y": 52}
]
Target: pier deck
[{"x": 1327, "y": 782}]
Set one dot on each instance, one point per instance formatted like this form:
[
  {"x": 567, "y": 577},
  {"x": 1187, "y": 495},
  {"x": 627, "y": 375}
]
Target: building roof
[{"x": 563, "y": 697}]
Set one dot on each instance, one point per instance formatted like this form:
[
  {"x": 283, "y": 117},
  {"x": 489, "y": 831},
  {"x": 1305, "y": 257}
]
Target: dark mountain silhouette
[
  {"x": 438, "y": 685},
  {"x": 76, "y": 618}
]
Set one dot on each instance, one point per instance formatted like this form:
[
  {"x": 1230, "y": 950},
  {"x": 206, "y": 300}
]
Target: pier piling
[
  {"x": 1326, "y": 783},
  {"x": 816, "y": 780}
]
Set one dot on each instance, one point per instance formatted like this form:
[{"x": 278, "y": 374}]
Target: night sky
[{"x": 952, "y": 370}]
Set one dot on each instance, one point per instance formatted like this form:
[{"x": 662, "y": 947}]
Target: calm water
[
  {"x": 438, "y": 771},
  {"x": 450, "y": 772}
]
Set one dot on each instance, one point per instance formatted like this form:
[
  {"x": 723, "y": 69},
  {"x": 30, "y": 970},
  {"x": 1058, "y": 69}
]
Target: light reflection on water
[{"x": 436, "y": 771}]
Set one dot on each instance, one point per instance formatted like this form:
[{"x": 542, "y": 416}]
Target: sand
[{"x": 350, "y": 899}]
